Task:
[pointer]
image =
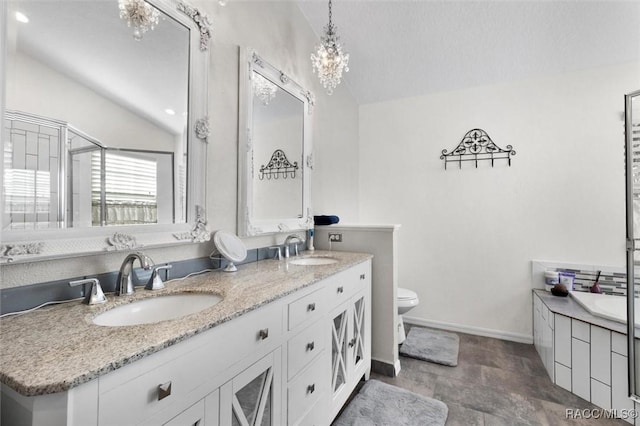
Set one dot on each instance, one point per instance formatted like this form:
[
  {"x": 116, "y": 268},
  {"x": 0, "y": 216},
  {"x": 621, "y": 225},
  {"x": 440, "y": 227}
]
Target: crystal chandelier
[
  {"x": 140, "y": 15},
  {"x": 263, "y": 89},
  {"x": 329, "y": 60}
]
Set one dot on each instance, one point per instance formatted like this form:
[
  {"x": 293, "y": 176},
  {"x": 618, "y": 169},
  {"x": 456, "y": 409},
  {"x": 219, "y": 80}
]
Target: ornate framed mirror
[
  {"x": 105, "y": 126},
  {"x": 275, "y": 159}
]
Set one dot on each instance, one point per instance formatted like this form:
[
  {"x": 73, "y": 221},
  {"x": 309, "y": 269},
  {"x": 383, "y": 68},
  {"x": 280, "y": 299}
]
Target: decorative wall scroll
[
  {"x": 278, "y": 166},
  {"x": 477, "y": 146}
]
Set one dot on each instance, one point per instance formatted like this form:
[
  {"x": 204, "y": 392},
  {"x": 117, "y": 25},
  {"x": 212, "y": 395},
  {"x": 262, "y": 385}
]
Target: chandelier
[
  {"x": 140, "y": 15},
  {"x": 263, "y": 88},
  {"x": 329, "y": 60}
]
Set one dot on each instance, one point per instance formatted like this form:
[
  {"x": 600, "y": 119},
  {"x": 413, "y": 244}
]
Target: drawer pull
[
  {"x": 363, "y": 276},
  {"x": 164, "y": 390},
  {"x": 311, "y": 307},
  {"x": 341, "y": 289},
  {"x": 311, "y": 388},
  {"x": 311, "y": 346},
  {"x": 264, "y": 333},
  {"x": 352, "y": 342}
]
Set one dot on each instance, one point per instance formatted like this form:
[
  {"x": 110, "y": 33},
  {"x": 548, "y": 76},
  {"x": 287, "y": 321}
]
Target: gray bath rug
[
  {"x": 381, "y": 404},
  {"x": 436, "y": 346}
]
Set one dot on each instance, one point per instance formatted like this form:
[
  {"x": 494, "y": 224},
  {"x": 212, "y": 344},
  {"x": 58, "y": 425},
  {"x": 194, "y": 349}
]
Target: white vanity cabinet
[{"x": 275, "y": 365}]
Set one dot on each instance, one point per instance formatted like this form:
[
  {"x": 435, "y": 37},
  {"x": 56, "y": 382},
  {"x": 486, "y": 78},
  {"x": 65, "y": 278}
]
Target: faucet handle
[
  {"x": 95, "y": 295},
  {"x": 278, "y": 254},
  {"x": 155, "y": 282}
]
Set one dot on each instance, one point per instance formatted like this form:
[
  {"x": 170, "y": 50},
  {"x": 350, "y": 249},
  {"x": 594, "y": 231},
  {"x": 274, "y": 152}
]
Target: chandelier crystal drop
[
  {"x": 263, "y": 89},
  {"x": 140, "y": 15},
  {"x": 329, "y": 61}
]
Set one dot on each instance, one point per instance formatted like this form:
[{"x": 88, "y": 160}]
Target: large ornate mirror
[
  {"x": 104, "y": 125},
  {"x": 275, "y": 150}
]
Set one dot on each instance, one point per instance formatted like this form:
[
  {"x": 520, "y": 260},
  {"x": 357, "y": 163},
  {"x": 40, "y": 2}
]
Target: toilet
[{"x": 406, "y": 300}]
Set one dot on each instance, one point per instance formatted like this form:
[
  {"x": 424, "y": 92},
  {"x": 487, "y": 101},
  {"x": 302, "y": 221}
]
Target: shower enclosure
[
  {"x": 57, "y": 176},
  {"x": 632, "y": 135}
]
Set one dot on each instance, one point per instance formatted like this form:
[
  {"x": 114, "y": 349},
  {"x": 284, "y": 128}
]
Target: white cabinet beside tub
[
  {"x": 588, "y": 360},
  {"x": 271, "y": 366}
]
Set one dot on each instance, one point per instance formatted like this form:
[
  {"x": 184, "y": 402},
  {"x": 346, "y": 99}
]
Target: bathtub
[{"x": 606, "y": 306}]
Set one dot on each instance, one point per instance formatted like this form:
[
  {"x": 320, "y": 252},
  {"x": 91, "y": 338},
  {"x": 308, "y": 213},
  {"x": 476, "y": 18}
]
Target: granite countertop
[
  {"x": 58, "y": 347},
  {"x": 567, "y": 306}
]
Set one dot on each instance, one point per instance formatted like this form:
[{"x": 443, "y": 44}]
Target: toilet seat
[
  {"x": 406, "y": 294},
  {"x": 405, "y": 301}
]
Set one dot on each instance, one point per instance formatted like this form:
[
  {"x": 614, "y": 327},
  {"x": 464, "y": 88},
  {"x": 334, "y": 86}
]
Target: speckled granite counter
[
  {"x": 58, "y": 347},
  {"x": 567, "y": 306}
]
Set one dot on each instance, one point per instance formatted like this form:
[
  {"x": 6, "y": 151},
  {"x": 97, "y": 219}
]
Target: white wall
[
  {"x": 277, "y": 31},
  {"x": 469, "y": 235}
]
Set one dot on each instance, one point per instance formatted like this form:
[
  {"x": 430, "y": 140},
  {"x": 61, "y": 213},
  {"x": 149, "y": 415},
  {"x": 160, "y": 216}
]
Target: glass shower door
[{"x": 632, "y": 134}]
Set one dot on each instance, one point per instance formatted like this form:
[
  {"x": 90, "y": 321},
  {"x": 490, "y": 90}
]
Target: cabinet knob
[
  {"x": 264, "y": 333},
  {"x": 352, "y": 342},
  {"x": 164, "y": 390},
  {"x": 341, "y": 289},
  {"x": 311, "y": 307},
  {"x": 311, "y": 388},
  {"x": 311, "y": 346},
  {"x": 363, "y": 276}
]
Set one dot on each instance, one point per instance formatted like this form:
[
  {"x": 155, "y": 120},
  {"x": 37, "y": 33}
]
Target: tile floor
[{"x": 496, "y": 383}]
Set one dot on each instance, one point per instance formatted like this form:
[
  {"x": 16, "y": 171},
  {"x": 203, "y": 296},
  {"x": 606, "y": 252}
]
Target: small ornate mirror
[{"x": 275, "y": 150}]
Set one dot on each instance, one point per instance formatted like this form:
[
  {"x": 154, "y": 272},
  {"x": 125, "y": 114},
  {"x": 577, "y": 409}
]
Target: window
[{"x": 130, "y": 189}]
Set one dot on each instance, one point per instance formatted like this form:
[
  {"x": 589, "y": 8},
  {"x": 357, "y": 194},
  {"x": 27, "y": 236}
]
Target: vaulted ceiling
[{"x": 402, "y": 48}]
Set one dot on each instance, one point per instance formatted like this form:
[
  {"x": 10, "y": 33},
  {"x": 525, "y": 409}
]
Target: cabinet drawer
[
  {"x": 304, "y": 347},
  {"x": 307, "y": 389},
  {"x": 317, "y": 416},
  {"x": 132, "y": 394},
  {"x": 307, "y": 308},
  {"x": 345, "y": 284}
]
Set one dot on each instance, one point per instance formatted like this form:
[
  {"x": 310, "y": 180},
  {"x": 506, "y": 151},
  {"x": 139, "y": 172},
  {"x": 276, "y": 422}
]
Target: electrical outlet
[{"x": 335, "y": 237}]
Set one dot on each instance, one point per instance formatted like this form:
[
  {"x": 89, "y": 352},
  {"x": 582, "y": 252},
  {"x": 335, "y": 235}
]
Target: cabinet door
[
  {"x": 357, "y": 336},
  {"x": 252, "y": 398},
  {"x": 339, "y": 353}
]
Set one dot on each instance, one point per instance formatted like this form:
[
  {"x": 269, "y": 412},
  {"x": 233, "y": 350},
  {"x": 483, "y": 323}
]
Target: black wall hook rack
[
  {"x": 476, "y": 145},
  {"x": 278, "y": 166}
]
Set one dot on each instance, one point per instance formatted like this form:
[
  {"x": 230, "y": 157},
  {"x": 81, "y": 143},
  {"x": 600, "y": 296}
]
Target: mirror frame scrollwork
[
  {"x": 29, "y": 246},
  {"x": 248, "y": 225}
]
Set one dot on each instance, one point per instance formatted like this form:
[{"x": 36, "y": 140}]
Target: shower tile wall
[{"x": 31, "y": 158}]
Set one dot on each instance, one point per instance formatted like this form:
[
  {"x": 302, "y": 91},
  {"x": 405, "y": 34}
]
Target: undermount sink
[
  {"x": 156, "y": 309},
  {"x": 314, "y": 260}
]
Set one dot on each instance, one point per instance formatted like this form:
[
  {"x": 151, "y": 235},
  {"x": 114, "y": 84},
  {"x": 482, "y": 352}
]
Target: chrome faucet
[
  {"x": 288, "y": 240},
  {"x": 124, "y": 284}
]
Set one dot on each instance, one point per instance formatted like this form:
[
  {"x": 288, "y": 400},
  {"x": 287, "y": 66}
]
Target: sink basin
[
  {"x": 313, "y": 260},
  {"x": 155, "y": 309}
]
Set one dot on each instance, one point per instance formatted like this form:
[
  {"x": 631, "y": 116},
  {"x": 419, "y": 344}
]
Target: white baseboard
[{"x": 478, "y": 331}]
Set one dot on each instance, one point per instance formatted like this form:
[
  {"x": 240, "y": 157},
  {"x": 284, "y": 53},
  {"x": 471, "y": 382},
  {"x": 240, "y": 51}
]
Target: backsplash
[
  {"x": 613, "y": 280},
  {"x": 609, "y": 282},
  {"x": 20, "y": 298}
]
